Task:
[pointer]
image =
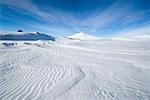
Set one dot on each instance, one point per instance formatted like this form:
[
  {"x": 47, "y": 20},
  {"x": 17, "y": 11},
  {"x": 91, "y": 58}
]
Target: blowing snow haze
[{"x": 105, "y": 18}]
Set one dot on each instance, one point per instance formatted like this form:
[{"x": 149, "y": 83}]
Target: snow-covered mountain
[
  {"x": 25, "y": 36},
  {"x": 82, "y": 36}
]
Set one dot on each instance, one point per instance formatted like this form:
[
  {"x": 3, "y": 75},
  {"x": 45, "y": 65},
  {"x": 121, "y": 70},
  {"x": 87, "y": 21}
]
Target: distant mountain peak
[
  {"x": 82, "y": 36},
  {"x": 81, "y": 33}
]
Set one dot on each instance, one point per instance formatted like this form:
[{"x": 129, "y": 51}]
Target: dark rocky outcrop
[{"x": 19, "y": 31}]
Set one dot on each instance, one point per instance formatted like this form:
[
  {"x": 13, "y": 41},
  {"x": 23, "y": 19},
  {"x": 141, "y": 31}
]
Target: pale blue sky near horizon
[{"x": 65, "y": 17}]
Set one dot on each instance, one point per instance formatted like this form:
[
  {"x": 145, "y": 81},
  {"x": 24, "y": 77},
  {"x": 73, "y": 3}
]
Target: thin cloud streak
[
  {"x": 59, "y": 20},
  {"x": 134, "y": 32}
]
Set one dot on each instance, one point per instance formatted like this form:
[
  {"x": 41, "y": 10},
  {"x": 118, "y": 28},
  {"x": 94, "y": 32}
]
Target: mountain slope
[{"x": 25, "y": 36}]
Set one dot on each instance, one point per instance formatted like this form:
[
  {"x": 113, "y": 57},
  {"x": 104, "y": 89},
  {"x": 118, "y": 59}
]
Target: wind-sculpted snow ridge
[
  {"x": 75, "y": 70},
  {"x": 24, "y": 79},
  {"x": 22, "y": 36},
  {"x": 65, "y": 86}
]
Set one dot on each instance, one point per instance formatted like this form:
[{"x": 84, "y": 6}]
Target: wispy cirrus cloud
[
  {"x": 116, "y": 14},
  {"x": 115, "y": 17},
  {"x": 145, "y": 30}
]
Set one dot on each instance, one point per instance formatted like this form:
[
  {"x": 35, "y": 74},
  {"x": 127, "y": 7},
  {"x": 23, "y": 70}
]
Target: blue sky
[{"x": 64, "y": 17}]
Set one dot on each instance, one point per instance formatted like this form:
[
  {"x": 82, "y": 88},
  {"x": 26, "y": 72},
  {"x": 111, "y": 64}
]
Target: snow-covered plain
[{"x": 68, "y": 69}]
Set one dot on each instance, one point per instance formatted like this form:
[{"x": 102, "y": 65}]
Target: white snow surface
[
  {"x": 68, "y": 69},
  {"x": 82, "y": 36},
  {"x": 133, "y": 38}
]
